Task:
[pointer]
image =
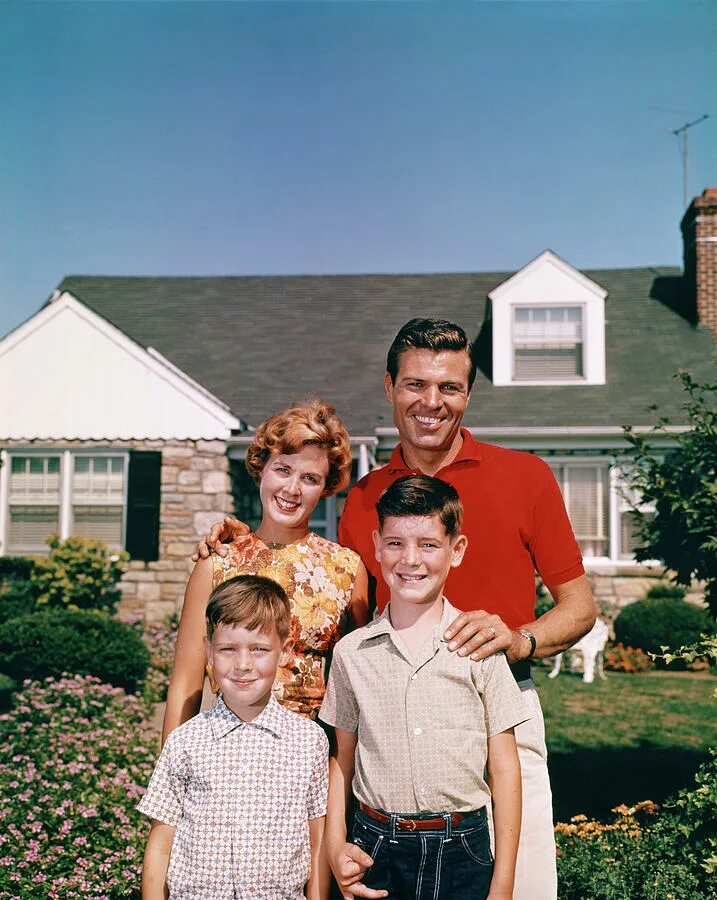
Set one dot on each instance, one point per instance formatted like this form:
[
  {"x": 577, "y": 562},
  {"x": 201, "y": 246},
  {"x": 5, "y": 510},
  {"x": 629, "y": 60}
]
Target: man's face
[{"x": 429, "y": 397}]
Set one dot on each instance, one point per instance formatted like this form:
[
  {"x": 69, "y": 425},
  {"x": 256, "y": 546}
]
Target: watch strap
[{"x": 531, "y": 637}]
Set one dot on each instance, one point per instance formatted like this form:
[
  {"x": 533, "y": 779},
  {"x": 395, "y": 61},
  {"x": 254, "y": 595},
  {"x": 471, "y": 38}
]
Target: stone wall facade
[{"x": 195, "y": 492}]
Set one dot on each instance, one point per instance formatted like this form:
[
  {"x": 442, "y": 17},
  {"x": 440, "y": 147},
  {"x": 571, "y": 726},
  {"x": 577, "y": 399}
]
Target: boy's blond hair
[{"x": 251, "y": 601}]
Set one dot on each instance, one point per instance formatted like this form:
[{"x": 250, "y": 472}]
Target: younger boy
[
  {"x": 416, "y": 726},
  {"x": 238, "y": 796}
]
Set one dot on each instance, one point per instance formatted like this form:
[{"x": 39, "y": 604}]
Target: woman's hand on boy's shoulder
[
  {"x": 349, "y": 863},
  {"x": 480, "y": 634},
  {"x": 218, "y": 536}
]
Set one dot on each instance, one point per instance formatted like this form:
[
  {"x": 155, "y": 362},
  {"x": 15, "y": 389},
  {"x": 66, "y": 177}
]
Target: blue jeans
[{"x": 450, "y": 863}]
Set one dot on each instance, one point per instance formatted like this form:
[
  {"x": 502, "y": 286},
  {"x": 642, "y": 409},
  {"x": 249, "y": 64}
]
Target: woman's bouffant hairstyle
[{"x": 304, "y": 424}]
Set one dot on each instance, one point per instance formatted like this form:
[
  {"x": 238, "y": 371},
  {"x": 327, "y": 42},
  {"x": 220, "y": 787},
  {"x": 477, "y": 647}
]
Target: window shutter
[{"x": 143, "y": 497}]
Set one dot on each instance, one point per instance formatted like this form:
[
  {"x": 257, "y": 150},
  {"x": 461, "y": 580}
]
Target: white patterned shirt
[
  {"x": 423, "y": 721},
  {"x": 240, "y": 795}
]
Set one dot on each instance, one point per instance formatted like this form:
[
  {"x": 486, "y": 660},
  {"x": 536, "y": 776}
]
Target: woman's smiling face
[{"x": 291, "y": 485}]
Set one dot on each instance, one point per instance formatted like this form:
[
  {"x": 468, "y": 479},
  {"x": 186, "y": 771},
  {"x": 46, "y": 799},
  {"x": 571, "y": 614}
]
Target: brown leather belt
[{"x": 405, "y": 824}]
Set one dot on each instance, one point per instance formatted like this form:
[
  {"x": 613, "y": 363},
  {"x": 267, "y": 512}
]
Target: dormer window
[
  {"x": 548, "y": 326},
  {"x": 547, "y": 342}
]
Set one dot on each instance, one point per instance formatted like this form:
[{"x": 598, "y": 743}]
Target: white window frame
[
  {"x": 584, "y": 343},
  {"x": 616, "y": 504},
  {"x": 619, "y": 488},
  {"x": 588, "y": 463},
  {"x": 67, "y": 463}
]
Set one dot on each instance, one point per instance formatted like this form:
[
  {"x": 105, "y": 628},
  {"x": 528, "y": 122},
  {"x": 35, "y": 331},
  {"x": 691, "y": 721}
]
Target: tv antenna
[{"x": 684, "y": 129}]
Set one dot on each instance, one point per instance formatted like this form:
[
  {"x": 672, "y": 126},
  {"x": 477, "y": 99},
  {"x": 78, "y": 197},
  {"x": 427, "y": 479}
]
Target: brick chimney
[{"x": 699, "y": 235}]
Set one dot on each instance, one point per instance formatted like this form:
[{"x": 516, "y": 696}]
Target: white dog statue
[{"x": 591, "y": 646}]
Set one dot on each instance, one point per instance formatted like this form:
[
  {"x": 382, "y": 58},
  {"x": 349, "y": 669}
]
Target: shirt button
[
  {"x": 423, "y": 788},
  {"x": 417, "y": 731}
]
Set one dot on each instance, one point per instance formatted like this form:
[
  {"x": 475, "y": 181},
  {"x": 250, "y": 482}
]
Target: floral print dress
[{"x": 318, "y": 577}]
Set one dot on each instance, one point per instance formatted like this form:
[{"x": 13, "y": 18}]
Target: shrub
[
  {"x": 18, "y": 593},
  {"x": 666, "y": 590},
  {"x": 637, "y": 855},
  {"x": 651, "y": 624},
  {"x": 618, "y": 658},
  {"x": 79, "y": 573},
  {"x": 74, "y": 761},
  {"x": 52, "y": 642}
]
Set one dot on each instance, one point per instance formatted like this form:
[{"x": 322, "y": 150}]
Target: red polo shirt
[{"x": 514, "y": 519}]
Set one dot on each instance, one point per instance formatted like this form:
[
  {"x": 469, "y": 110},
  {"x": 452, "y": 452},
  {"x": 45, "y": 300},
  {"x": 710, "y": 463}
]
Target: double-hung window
[
  {"x": 547, "y": 343},
  {"x": 33, "y": 503},
  {"x": 585, "y": 489},
  {"x": 112, "y": 496}
]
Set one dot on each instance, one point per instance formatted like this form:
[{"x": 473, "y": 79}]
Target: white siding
[{"x": 67, "y": 373}]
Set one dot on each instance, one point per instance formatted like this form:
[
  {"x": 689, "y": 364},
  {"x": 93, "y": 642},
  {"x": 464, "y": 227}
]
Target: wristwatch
[{"x": 531, "y": 637}]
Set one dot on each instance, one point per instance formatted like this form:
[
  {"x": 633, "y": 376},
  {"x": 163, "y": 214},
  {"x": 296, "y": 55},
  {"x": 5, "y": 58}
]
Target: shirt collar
[
  {"x": 469, "y": 451},
  {"x": 223, "y": 720},
  {"x": 382, "y": 624}
]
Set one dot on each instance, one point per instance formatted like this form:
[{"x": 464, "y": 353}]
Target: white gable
[
  {"x": 549, "y": 281},
  {"x": 68, "y": 373}
]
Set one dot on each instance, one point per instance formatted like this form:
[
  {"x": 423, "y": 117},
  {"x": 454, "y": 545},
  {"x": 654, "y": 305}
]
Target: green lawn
[{"x": 630, "y": 738}]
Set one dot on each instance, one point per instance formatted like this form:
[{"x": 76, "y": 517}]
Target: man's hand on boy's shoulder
[
  {"x": 480, "y": 634},
  {"x": 349, "y": 864}
]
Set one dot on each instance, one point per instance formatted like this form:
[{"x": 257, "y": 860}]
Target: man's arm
[
  {"x": 480, "y": 633},
  {"x": 505, "y": 786},
  {"x": 218, "y": 536},
  {"x": 348, "y": 862},
  {"x": 156, "y": 861}
]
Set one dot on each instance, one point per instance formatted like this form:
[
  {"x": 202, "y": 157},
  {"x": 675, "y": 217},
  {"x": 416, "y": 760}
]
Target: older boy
[
  {"x": 416, "y": 726},
  {"x": 238, "y": 796}
]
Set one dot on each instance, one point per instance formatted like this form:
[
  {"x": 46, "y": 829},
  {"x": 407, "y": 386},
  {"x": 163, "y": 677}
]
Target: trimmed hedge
[
  {"x": 18, "y": 593},
  {"x": 657, "y": 622},
  {"x": 78, "y": 642}
]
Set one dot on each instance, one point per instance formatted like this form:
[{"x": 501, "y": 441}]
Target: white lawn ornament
[{"x": 591, "y": 646}]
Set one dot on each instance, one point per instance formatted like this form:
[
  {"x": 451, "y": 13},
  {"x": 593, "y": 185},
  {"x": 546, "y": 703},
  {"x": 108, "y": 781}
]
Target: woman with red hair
[{"x": 297, "y": 457}]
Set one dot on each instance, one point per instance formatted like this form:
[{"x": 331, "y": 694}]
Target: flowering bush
[
  {"x": 160, "y": 639},
  {"x": 631, "y": 856},
  {"x": 618, "y": 658},
  {"x": 75, "y": 758}
]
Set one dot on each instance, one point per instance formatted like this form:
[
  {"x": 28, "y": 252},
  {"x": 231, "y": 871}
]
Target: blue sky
[{"x": 172, "y": 138}]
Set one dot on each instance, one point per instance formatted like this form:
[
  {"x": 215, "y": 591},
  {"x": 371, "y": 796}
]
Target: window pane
[
  {"x": 103, "y": 523},
  {"x": 96, "y": 480},
  {"x": 29, "y": 528},
  {"x": 585, "y": 490},
  {"x": 35, "y": 478},
  {"x": 537, "y": 363}
]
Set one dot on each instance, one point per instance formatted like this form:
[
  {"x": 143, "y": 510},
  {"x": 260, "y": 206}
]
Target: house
[{"x": 127, "y": 404}]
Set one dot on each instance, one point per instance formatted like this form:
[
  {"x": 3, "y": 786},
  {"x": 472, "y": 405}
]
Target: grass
[{"x": 630, "y": 738}]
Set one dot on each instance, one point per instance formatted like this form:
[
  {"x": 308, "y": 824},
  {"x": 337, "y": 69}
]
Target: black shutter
[{"x": 143, "y": 495}]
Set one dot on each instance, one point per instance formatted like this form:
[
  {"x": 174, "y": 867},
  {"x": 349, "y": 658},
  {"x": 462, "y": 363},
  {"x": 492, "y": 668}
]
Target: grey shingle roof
[{"x": 259, "y": 342}]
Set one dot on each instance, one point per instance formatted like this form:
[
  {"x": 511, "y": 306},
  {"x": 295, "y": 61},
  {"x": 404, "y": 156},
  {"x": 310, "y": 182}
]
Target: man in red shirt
[{"x": 516, "y": 524}]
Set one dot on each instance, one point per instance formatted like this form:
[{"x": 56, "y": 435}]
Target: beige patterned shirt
[
  {"x": 240, "y": 794},
  {"x": 422, "y": 723}
]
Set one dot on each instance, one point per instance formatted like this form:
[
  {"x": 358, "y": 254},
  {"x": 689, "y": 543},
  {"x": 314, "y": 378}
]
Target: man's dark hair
[
  {"x": 422, "y": 495},
  {"x": 430, "y": 334}
]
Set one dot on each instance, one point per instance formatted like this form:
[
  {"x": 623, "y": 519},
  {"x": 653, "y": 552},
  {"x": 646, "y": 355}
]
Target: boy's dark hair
[
  {"x": 422, "y": 495},
  {"x": 430, "y": 334},
  {"x": 251, "y": 601}
]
